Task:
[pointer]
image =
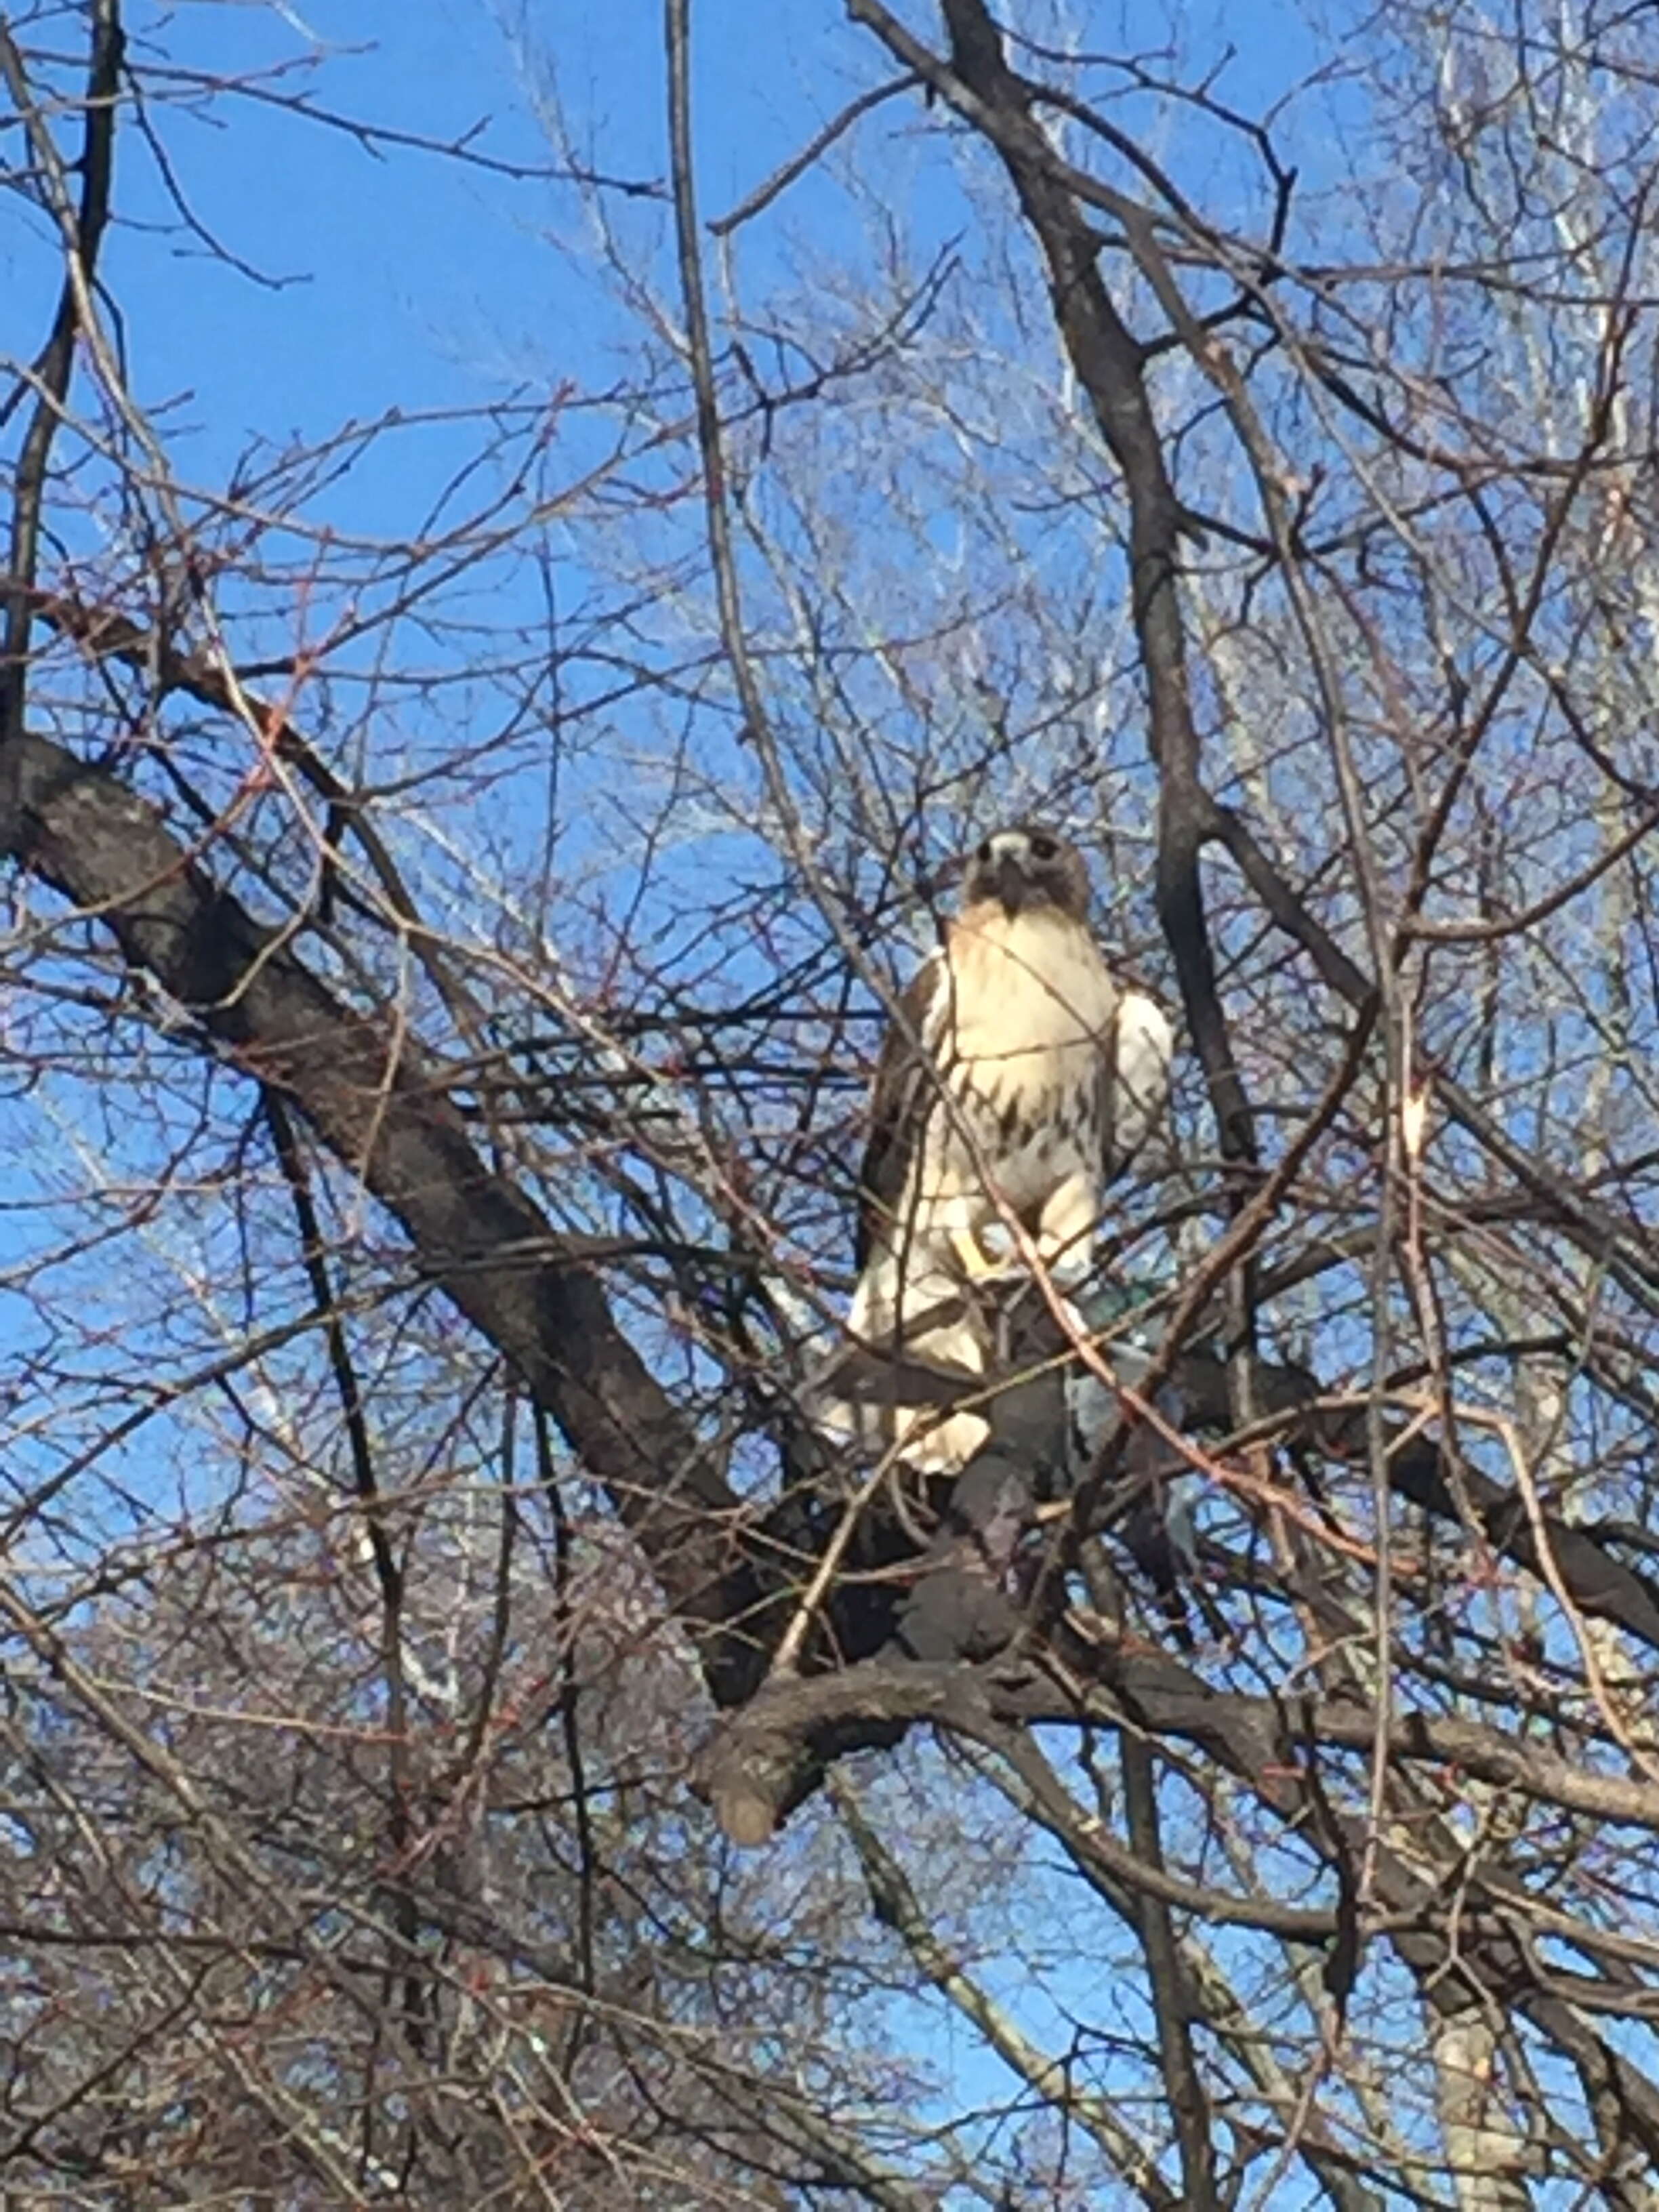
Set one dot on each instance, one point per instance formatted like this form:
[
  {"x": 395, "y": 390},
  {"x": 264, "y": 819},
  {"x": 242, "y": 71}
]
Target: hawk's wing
[
  {"x": 899, "y": 1100},
  {"x": 1137, "y": 1076}
]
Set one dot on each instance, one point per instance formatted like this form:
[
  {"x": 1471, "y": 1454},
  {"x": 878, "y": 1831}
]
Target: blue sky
[
  {"x": 420, "y": 283},
  {"x": 415, "y": 281}
]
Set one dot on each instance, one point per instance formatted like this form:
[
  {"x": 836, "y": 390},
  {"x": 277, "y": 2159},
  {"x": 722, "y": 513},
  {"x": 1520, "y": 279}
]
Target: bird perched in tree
[{"x": 1018, "y": 1080}]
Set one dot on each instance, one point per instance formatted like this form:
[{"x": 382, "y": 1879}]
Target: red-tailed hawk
[{"x": 1019, "y": 1078}]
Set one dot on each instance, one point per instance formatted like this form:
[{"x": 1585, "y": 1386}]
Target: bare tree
[{"x": 470, "y": 1736}]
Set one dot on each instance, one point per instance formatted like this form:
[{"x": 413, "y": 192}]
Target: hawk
[{"x": 1018, "y": 1081}]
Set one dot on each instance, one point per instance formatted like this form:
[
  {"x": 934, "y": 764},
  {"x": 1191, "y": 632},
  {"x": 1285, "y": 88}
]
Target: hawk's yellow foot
[{"x": 976, "y": 1263}]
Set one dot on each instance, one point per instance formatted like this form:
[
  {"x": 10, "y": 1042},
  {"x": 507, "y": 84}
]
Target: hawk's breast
[{"x": 1021, "y": 1037}]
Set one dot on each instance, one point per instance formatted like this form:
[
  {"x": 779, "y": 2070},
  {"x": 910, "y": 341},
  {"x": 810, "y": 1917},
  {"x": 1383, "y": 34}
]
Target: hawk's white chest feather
[
  {"x": 1021, "y": 1035},
  {"x": 1024, "y": 987}
]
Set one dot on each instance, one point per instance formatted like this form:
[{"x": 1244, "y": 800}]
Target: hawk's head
[{"x": 1027, "y": 867}]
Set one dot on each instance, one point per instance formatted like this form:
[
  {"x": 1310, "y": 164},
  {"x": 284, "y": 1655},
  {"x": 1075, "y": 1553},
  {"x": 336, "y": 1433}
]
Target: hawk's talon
[
  {"x": 983, "y": 1266},
  {"x": 975, "y": 1262}
]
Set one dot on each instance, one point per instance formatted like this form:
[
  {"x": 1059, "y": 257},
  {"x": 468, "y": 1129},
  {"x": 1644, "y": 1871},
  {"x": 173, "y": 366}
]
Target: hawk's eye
[
  {"x": 1043, "y": 848},
  {"x": 983, "y": 855}
]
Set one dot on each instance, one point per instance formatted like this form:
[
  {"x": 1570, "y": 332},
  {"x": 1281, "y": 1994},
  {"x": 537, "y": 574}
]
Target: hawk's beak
[{"x": 1011, "y": 886}]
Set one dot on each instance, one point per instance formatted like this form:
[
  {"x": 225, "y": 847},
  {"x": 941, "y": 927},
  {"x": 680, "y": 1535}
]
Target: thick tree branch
[
  {"x": 1170, "y": 2002},
  {"x": 84, "y": 231},
  {"x": 1261, "y": 1735},
  {"x": 379, "y": 1107}
]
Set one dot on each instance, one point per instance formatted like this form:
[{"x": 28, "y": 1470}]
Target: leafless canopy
[{"x": 449, "y": 931}]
